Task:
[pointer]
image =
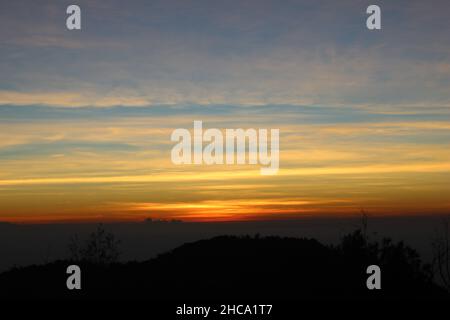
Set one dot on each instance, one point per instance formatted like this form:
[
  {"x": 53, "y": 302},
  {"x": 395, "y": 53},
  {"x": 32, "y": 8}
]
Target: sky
[{"x": 86, "y": 115}]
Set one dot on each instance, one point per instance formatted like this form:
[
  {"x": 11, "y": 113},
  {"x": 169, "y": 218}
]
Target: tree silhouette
[
  {"x": 101, "y": 248},
  {"x": 400, "y": 263},
  {"x": 441, "y": 254},
  {"x": 258, "y": 267}
]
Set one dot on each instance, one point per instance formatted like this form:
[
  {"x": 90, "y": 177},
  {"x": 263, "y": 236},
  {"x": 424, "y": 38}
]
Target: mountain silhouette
[{"x": 248, "y": 267}]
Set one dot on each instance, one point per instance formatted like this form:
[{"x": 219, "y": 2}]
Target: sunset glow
[{"x": 86, "y": 118}]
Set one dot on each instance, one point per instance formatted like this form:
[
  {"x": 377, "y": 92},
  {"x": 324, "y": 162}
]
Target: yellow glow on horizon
[{"x": 216, "y": 175}]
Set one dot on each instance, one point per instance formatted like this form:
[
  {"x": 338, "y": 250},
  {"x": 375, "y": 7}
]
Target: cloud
[
  {"x": 63, "y": 146},
  {"x": 69, "y": 99},
  {"x": 252, "y": 53},
  {"x": 363, "y": 115}
]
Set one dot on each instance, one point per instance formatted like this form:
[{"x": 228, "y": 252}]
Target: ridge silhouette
[{"x": 248, "y": 267}]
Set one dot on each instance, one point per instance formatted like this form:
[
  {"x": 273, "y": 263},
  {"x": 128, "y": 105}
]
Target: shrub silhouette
[{"x": 101, "y": 248}]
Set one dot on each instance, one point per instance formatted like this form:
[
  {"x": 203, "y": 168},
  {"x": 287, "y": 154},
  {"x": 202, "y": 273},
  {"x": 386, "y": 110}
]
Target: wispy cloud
[
  {"x": 256, "y": 53},
  {"x": 86, "y": 117}
]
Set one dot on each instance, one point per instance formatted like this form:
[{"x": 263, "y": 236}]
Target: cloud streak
[{"x": 86, "y": 117}]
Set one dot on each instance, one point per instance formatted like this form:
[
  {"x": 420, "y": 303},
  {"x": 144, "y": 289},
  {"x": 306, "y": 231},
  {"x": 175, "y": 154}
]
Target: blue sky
[
  {"x": 86, "y": 116},
  {"x": 225, "y": 52}
]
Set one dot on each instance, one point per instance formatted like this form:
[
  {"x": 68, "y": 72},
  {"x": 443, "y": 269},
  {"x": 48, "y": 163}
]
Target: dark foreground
[{"x": 250, "y": 268}]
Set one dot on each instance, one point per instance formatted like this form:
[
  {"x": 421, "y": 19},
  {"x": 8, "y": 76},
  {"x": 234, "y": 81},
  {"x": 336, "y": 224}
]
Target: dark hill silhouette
[{"x": 226, "y": 267}]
